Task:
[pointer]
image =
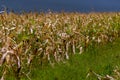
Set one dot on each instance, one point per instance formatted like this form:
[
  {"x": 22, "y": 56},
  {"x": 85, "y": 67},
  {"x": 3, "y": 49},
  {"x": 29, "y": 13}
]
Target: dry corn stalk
[{"x": 115, "y": 76}]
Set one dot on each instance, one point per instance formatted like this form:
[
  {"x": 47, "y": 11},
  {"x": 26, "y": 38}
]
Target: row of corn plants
[{"x": 51, "y": 37}]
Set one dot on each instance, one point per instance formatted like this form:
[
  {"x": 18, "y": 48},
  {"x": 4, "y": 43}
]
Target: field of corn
[{"x": 51, "y": 37}]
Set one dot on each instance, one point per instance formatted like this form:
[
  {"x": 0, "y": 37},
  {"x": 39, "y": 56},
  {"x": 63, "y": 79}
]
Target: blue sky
[{"x": 58, "y": 5}]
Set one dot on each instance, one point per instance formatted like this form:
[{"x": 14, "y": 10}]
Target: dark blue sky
[{"x": 59, "y": 5}]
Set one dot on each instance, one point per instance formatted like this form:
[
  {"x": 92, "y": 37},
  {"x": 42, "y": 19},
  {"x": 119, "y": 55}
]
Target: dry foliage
[{"x": 115, "y": 76}]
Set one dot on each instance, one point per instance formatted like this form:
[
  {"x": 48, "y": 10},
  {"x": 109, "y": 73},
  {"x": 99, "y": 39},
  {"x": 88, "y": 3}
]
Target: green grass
[{"x": 102, "y": 60}]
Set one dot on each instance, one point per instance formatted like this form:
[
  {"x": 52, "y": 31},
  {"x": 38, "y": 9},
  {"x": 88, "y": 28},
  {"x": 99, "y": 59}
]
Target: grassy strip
[{"x": 103, "y": 60}]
